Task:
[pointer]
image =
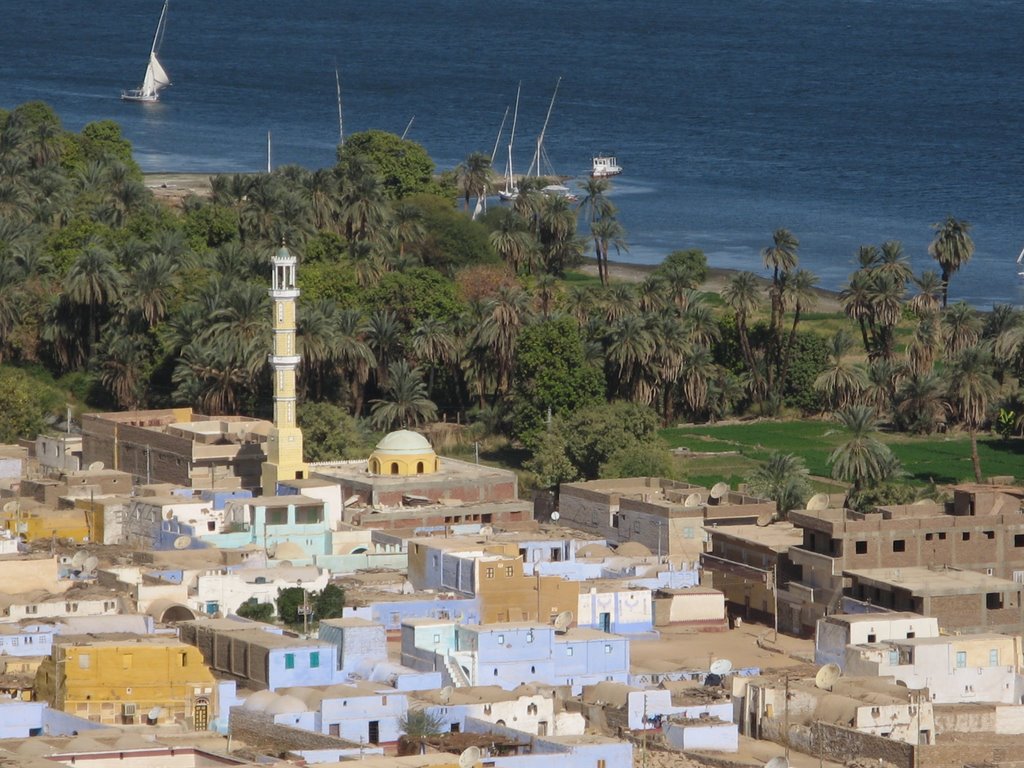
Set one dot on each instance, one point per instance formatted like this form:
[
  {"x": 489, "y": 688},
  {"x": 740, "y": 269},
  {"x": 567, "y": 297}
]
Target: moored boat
[
  {"x": 605, "y": 166},
  {"x": 156, "y": 78}
]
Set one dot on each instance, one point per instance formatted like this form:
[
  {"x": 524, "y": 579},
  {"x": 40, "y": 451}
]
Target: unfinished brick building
[
  {"x": 178, "y": 446},
  {"x": 981, "y": 530}
]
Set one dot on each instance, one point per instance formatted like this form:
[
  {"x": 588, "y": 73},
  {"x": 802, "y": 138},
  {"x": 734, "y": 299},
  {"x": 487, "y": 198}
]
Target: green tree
[
  {"x": 404, "y": 166},
  {"x": 415, "y": 296},
  {"x": 952, "y": 248},
  {"x": 592, "y": 435},
  {"x": 549, "y": 464},
  {"x": 784, "y": 479},
  {"x": 331, "y": 434},
  {"x": 684, "y": 270},
  {"x": 405, "y": 402},
  {"x": 418, "y": 725},
  {"x": 255, "y": 610},
  {"x": 450, "y": 240},
  {"x": 550, "y": 373},
  {"x": 862, "y": 460},
  {"x": 641, "y": 460},
  {"x": 329, "y": 602},
  {"x": 971, "y": 389},
  {"x": 289, "y": 604},
  {"x": 24, "y": 405}
]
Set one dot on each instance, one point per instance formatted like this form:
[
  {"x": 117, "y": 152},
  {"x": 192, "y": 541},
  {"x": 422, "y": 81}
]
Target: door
[
  {"x": 201, "y": 714},
  {"x": 374, "y": 732},
  {"x": 334, "y": 729},
  {"x": 542, "y": 728},
  {"x": 606, "y": 622}
]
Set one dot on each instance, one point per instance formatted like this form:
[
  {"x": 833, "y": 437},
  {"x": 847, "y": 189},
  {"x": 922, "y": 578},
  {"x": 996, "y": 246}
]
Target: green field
[{"x": 935, "y": 458}]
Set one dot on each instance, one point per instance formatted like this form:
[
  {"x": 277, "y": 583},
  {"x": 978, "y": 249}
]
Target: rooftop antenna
[
  {"x": 341, "y": 124},
  {"x": 827, "y": 676},
  {"x": 469, "y": 757},
  {"x": 406, "y": 131}
]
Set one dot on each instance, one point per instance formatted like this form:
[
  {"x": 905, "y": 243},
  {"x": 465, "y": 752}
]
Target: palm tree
[
  {"x": 952, "y": 248},
  {"x": 780, "y": 257},
  {"x": 920, "y": 402},
  {"x": 961, "y": 328},
  {"x": 433, "y": 343},
  {"x": 407, "y": 226},
  {"x": 743, "y": 295},
  {"x": 971, "y": 389},
  {"x": 885, "y": 297},
  {"x": 152, "y": 287},
  {"x": 473, "y": 177},
  {"x": 93, "y": 282},
  {"x": 630, "y": 348},
  {"x": 607, "y": 232},
  {"x": 316, "y": 342},
  {"x": 420, "y": 724},
  {"x": 929, "y": 295},
  {"x": 856, "y": 300},
  {"x": 843, "y": 381},
  {"x": 405, "y": 402},
  {"x": 383, "y": 334},
  {"x": 504, "y": 317},
  {"x": 799, "y": 290},
  {"x": 698, "y": 371},
  {"x": 512, "y": 240},
  {"x": 355, "y": 355},
  {"x": 924, "y": 345},
  {"x": 124, "y": 360},
  {"x": 863, "y": 459},
  {"x": 784, "y": 479}
]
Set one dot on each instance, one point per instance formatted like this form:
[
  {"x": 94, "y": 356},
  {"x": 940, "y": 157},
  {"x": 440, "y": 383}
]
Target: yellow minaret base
[{"x": 284, "y": 458}]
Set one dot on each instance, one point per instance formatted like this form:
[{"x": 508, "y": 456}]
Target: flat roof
[
  {"x": 450, "y": 469},
  {"x": 937, "y": 582},
  {"x": 875, "y": 616},
  {"x": 779, "y": 536}
]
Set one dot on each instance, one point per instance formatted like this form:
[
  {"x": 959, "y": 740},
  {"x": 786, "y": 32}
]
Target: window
[
  {"x": 994, "y": 601},
  {"x": 993, "y": 657},
  {"x": 687, "y": 533},
  {"x": 928, "y": 536},
  {"x": 489, "y": 573},
  {"x": 84, "y": 661},
  {"x": 437, "y": 639},
  {"x": 607, "y": 648},
  {"x": 1018, "y": 539},
  {"x": 529, "y": 637},
  {"x": 289, "y": 661},
  {"x": 314, "y": 659},
  {"x": 942, "y": 535},
  {"x": 509, "y": 570},
  {"x": 126, "y": 661},
  {"x": 990, "y": 534},
  {"x": 30, "y": 609},
  {"x": 568, "y": 651},
  {"x": 860, "y": 547},
  {"x": 894, "y": 658},
  {"x": 961, "y": 659},
  {"x": 183, "y": 659},
  {"x": 501, "y": 639},
  {"x": 965, "y": 536},
  {"x": 872, "y": 638},
  {"x": 899, "y": 545}
]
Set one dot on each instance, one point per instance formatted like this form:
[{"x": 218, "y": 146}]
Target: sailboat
[
  {"x": 540, "y": 156},
  {"x": 1020, "y": 263},
  {"x": 156, "y": 78},
  {"x": 511, "y": 191}
]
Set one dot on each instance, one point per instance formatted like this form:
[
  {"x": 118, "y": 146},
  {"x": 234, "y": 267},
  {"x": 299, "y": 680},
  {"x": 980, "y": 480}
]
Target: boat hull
[{"x": 139, "y": 96}]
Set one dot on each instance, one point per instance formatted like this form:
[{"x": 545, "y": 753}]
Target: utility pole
[{"x": 786, "y": 710}]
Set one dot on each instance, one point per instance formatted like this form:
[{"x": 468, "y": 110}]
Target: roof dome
[
  {"x": 404, "y": 441},
  {"x": 258, "y": 701},
  {"x": 289, "y": 550},
  {"x": 633, "y": 549},
  {"x": 286, "y": 705}
]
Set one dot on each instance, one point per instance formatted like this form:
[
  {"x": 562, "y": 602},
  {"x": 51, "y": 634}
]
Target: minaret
[{"x": 284, "y": 446}]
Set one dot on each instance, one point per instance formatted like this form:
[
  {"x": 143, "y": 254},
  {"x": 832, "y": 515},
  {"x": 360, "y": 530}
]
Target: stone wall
[
  {"x": 838, "y": 743},
  {"x": 258, "y": 730}
]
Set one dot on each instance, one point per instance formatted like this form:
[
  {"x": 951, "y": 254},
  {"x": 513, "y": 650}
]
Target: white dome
[
  {"x": 404, "y": 441},
  {"x": 258, "y": 701},
  {"x": 287, "y": 705}
]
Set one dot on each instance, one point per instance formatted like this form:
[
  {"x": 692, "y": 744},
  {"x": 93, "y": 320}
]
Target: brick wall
[{"x": 259, "y": 731}]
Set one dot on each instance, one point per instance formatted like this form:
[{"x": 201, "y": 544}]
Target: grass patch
[
  {"x": 572, "y": 277},
  {"x": 934, "y": 458}
]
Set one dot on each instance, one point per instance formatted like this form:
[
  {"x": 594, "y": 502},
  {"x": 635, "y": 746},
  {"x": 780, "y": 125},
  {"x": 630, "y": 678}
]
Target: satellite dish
[
  {"x": 718, "y": 490},
  {"x": 182, "y": 542},
  {"x": 469, "y": 757},
  {"x": 764, "y": 520},
  {"x": 777, "y": 762},
  {"x": 96, "y": 466},
  {"x": 818, "y": 501},
  {"x": 721, "y": 667},
  {"x": 827, "y": 676},
  {"x": 155, "y": 713},
  {"x": 693, "y": 500},
  {"x": 486, "y": 530},
  {"x": 555, "y": 517},
  {"x": 11, "y": 506},
  {"x": 89, "y": 566},
  {"x": 446, "y": 694},
  {"x": 79, "y": 559},
  {"x": 562, "y": 621}
]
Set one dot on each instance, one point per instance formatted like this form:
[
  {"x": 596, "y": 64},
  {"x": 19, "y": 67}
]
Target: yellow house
[
  {"x": 508, "y": 594},
  {"x": 40, "y": 523},
  {"x": 150, "y": 680},
  {"x": 403, "y": 453}
]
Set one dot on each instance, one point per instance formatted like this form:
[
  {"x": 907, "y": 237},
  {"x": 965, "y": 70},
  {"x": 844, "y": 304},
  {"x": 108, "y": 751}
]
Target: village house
[{"x": 834, "y": 633}]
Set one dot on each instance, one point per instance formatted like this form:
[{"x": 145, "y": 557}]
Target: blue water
[{"x": 847, "y": 122}]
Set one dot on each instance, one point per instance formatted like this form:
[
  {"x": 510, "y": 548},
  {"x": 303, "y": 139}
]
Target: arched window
[
  {"x": 419, "y": 467},
  {"x": 374, "y": 467},
  {"x": 394, "y": 467}
]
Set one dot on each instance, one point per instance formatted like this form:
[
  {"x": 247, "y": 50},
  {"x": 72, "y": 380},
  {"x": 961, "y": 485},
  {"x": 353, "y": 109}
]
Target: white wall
[{"x": 230, "y": 590}]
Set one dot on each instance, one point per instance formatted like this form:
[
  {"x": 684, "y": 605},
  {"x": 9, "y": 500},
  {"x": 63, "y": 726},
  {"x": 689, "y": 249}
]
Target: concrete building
[
  {"x": 259, "y": 655},
  {"x": 224, "y": 590},
  {"x": 146, "y": 680},
  {"x": 178, "y": 446},
  {"x": 272, "y": 521},
  {"x": 615, "y": 607},
  {"x": 361, "y": 644},
  {"x": 834, "y": 633},
  {"x": 961, "y": 601},
  {"x": 533, "y": 709},
  {"x": 747, "y": 563},
  {"x": 284, "y": 442},
  {"x": 665, "y": 516},
  {"x": 967, "y": 669},
  {"x": 513, "y": 654},
  {"x": 60, "y": 453},
  {"x": 983, "y": 530}
]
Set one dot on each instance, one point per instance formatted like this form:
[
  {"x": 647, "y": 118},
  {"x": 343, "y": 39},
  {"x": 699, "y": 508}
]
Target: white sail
[{"x": 156, "y": 78}]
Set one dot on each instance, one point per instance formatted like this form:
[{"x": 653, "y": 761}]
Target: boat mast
[
  {"x": 509, "y": 180},
  {"x": 406, "y": 131},
  {"x": 498, "y": 138},
  {"x": 341, "y": 124},
  {"x": 158, "y": 35},
  {"x": 540, "y": 139},
  {"x": 268, "y": 153}
]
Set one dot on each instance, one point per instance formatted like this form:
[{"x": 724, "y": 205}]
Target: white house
[
  {"x": 229, "y": 588},
  {"x": 835, "y": 632}
]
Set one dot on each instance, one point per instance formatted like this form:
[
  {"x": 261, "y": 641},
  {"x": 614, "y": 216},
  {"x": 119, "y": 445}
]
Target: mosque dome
[{"x": 403, "y": 453}]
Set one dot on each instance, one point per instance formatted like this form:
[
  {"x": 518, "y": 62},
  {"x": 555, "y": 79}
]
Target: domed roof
[
  {"x": 258, "y": 701},
  {"x": 633, "y": 549},
  {"x": 593, "y": 550},
  {"x": 404, "y": 441},
  {"x": 289, "y": 550},
  {"x": 286, "y": 705}
]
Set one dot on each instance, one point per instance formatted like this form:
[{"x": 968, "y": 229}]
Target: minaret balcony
[
  {"x": 284, "y": 361},
  {"x": 284, "y": 293}
]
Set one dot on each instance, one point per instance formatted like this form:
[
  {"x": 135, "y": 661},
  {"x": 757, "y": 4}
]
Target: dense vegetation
[{"x": 415, "y": 309}]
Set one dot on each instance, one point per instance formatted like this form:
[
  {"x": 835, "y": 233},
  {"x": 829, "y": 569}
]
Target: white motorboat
[{"x": 605, "y": 166}]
